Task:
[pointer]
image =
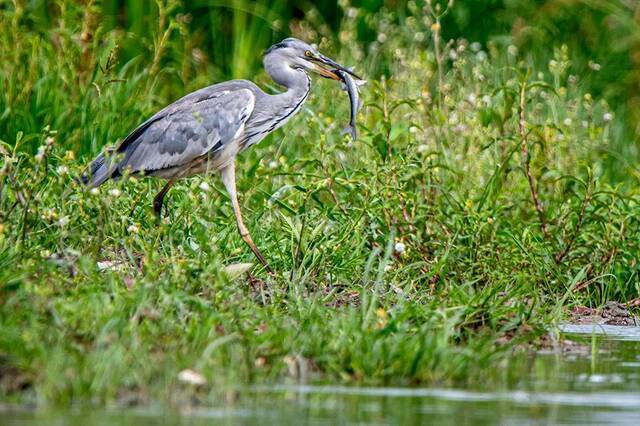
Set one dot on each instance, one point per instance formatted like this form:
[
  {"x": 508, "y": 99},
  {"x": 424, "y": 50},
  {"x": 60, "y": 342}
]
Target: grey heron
[{"x": 205, "y": 130}]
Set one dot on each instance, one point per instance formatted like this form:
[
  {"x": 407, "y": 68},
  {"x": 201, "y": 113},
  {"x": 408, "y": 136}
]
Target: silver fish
[{"x": 350, "y": 85}]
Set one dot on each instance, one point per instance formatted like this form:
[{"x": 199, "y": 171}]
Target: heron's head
[{"x": 300, "y": 55}]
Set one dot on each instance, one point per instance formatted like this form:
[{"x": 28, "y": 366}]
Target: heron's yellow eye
[{"x": 308, "y": 53}]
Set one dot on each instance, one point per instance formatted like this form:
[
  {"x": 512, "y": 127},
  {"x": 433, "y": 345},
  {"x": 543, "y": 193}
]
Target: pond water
[{"x": 594, "y": 383}]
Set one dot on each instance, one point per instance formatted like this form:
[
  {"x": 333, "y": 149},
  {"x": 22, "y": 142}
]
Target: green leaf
[
  {"x": 397, "y": 130},
  {"x": 382, "y": 146}
]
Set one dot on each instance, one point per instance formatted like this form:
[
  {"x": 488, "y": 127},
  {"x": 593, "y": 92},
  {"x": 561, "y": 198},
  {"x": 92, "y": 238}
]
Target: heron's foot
[
  {"x": 159, "y": 198},
  {"x": 157, "y": 209},
  {"x": 269, "y": 270},
  {"x": 263, "y": 261},
  {"x": 247, "y": 239}
]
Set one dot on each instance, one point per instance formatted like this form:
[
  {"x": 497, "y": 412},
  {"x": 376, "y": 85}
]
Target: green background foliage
[{"x": 603, "y": 36}]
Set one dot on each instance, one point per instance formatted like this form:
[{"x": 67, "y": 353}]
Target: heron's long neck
[{"x": 296, "y": 81}]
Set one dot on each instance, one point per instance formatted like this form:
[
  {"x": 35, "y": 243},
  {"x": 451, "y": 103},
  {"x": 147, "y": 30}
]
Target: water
[
  {"x": 609, "y": 332},
  {"x": 595, "y": 383}
]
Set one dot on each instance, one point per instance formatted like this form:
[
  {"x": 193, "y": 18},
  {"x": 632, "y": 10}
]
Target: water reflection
[
  {"x": 613, "y": 332},
  {"x": 597, "y": 382}
]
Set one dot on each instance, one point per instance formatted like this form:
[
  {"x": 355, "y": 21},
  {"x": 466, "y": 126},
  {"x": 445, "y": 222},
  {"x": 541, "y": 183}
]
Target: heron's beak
[{"x": 325, "y": 66}]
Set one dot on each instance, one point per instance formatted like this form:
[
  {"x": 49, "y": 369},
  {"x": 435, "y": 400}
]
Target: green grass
[{"x": 439, "y": 168}]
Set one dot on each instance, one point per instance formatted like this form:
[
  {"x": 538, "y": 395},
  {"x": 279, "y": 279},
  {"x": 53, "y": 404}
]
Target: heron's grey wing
[{"x": 187, "y": 130}]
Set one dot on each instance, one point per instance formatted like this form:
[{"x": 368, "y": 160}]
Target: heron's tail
[{"x": 99, "y": 171}]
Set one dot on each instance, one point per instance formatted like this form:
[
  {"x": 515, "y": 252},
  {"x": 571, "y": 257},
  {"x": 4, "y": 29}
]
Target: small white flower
[
  {"x": 133, "y": 229},
  {"x": 49, "y": 140},
  {"x": 388, "y": 267},
  {"x": 94, "y": 191},
  {"x": 419, "y": 36},
  {"x": 453, "y": 54},
  {"x": 273, "y": 164},
  {"x": 399, "y": 247},
  {"x": 486, "y": 99},
  {"x": 40, "y": 155},
  {"x": 204, "y": 186},
  {"x": 62, "y": 170},
  {"x": 512, "y": 50},
  {"x": 472, "y": 99},
  {"x": 475, "y": 46},
  {"x": 191, "y": 377},
  {"x": 607, "y": 117},
  {"x": 481, "y": 56},
  {"x": 382, "y": 37},
  {"x": 594, "y": 66},
  {"x": 567, "y": 121},
  {"x": 115, "y": 192},
  {"x": 423, "y": 148},
  {"x": 413, "y": 129},
  {"x": 63, "y": 221}
]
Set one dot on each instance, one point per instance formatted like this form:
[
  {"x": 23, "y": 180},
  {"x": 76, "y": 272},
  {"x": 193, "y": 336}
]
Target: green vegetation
[{"x": 488, "y": 193}]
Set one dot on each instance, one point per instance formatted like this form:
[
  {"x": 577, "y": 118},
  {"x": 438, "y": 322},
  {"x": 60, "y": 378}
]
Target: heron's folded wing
[{"x": 187, "y": 131}]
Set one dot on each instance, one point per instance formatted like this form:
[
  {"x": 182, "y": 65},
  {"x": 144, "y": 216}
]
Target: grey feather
[
  {"x": 201, "y": 123},
  {"x": 190, "y": 129},
  {"x": 98, "y": 172}
]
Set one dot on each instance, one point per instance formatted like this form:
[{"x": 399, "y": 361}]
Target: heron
[{"x": 204, "y": 131}]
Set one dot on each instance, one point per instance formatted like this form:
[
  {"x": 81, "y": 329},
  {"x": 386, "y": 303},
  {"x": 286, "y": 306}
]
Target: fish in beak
[
  {"x": 326, "y": 67},
  {"x": 329, "y": 68}
]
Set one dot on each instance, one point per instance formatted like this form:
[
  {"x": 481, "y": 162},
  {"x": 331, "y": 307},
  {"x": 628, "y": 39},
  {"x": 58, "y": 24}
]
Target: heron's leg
[
  {"x": 157, "y": 201},
  {"x": 229, "y": 180}
]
